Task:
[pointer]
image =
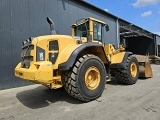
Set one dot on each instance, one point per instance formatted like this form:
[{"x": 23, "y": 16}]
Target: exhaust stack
[{"x": 52, "y": 27}]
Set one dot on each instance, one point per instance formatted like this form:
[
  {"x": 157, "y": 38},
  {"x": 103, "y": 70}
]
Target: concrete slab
[{"x": 118, "y": 102}]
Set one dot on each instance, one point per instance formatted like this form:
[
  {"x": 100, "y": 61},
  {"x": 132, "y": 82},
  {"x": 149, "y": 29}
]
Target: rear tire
[
  {"x": 130, "y": 74},
  {"x": 87, "y": 78}
]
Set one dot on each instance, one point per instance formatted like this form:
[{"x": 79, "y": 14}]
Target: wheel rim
[
  {"x": 133, "y": 69},
  {"x": 92, "y": 78}
]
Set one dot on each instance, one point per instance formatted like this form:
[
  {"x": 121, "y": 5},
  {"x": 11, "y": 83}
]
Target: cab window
[
  {"x": 82, "y": 29},
  {"x": 97, "y": 31}
]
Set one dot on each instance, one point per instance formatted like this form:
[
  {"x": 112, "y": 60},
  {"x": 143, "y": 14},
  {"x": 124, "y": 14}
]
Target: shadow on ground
[
  {"x": 143, "y": 78},
  {"x": 115, "y": 82},
  {"x": 42, "y": 97}
]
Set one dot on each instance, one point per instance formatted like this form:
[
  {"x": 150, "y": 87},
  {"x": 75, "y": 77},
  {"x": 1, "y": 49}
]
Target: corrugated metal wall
[
  {"x": 158, "y": 39},
  {"x": 158, "y": 44},
  {"x": 20, "y": 19}
]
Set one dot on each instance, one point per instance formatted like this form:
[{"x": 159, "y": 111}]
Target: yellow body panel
[
  {"x": 114, "y": 56},
  {"x": 39, "y": 72},
  {"x": 109, "y": 49},
  {"x": 117, "y": 58},
  {"x": 67, "y": 45},
  {"x": 42, "y": 71}
]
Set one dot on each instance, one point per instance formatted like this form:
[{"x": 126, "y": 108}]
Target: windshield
[{"x": 82, "y": 29}]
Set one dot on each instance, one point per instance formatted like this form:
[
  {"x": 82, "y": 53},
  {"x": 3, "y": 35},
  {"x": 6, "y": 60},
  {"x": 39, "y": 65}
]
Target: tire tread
[
  {"x": 70, "y": 81},
  {"x": 122, "y": 75}
]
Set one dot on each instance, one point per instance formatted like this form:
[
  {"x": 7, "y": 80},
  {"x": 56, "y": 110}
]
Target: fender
[
  {"x": 123, "y": 63},
  {"x": 69, "y": 63}
]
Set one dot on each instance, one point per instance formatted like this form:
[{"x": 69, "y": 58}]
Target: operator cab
[{"x": 90, "y": 28}]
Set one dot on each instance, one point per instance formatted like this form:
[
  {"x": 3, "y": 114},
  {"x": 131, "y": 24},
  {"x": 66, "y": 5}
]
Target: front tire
[
  {"x": 86, "y": 80},
  {"x": 129, "y": 75}
]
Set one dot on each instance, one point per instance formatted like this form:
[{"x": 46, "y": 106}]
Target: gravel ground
[{"x": 118, "y": 102}]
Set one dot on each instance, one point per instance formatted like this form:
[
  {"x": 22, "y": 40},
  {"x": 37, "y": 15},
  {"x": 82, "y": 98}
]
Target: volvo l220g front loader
[{"x": 81, "y": 63}]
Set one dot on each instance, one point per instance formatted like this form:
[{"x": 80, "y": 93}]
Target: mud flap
[{"x": 145, "y": 69}]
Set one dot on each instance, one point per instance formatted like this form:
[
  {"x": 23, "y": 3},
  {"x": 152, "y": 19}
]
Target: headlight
[{"x": 53, "y": 57}]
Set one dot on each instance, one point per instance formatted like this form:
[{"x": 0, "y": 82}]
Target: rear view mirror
[
  {"x": 107, "y": 28},
  {"x": 49, "y": 20}
]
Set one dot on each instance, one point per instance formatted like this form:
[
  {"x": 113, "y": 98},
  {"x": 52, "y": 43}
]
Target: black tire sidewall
[{"x": 91, "y": 94}]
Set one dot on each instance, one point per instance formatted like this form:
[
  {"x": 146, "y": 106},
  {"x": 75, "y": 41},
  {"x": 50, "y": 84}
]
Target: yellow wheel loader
[{"x": 81, "y": 63}]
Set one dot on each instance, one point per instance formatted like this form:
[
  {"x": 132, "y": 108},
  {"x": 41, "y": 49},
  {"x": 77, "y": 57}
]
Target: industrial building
[{"x": 21, "y": 19}]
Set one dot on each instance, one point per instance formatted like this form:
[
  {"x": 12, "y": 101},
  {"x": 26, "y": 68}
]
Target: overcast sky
[{"x": 144, "y": 13}]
